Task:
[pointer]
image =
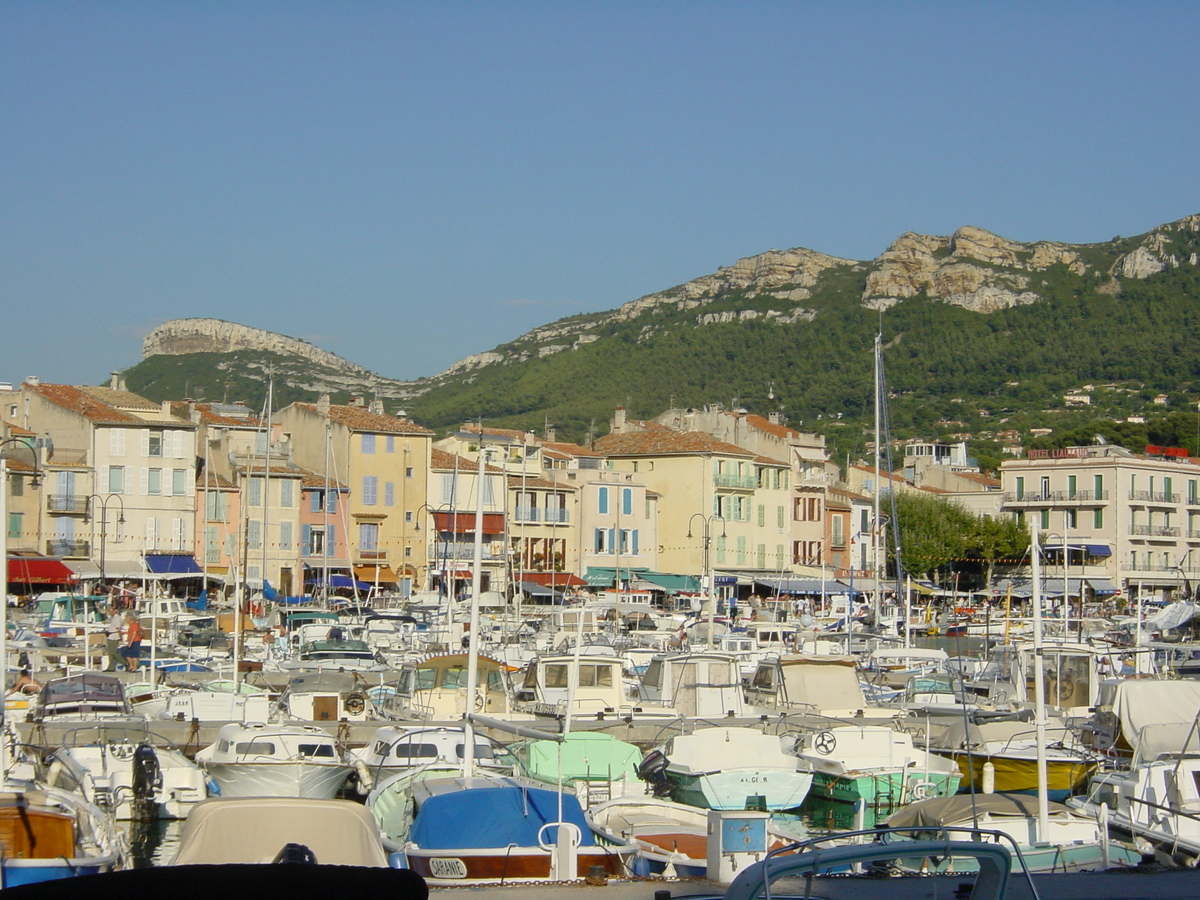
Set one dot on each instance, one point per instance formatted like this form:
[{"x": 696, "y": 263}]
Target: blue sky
[{"x": 405, "y": 184}]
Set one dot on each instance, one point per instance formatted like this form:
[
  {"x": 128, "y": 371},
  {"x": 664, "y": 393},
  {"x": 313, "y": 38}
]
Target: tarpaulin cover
[
  {"x": 499, "y": 815},
  {"x": 172, "y": 564}
]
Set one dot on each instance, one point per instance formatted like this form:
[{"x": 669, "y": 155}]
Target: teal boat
[{"x": 586, "y": 760}]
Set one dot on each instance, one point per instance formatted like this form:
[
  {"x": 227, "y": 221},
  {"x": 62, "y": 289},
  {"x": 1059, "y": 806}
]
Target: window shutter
[
  {"x": 305, "y": 539},
  {"x": 102, "y": 480},
  {"x": 177, "y": 534},
  {"x": 145, "y": 481},
  {"x": 612, "y": 539},
  {"x": 635, "y": 542},
  {"x": 331, "y": 539}
]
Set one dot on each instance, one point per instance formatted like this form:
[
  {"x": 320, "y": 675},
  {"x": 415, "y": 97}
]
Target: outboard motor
[
  {"x": 147, "y": 780},
  {"x": 295, "y": 854},
  {"x": 653, "y": 769}
]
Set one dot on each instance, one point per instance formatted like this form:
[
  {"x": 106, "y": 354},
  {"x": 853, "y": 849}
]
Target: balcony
[
  {"x": 536, "y": 514},
  {"x": 75, "y": 504},
  {"x": 371, "y": 555},
  {"x": 71, "y": 549},
  {"x": 742, "y": 482},
  {"x": 527, "y": 514},
  {"x": 1057, "y": 497},
  {"x": 464, "y": 551},
  {"x": 1154, "y": 530},
  {"x": 1154, "y": 496}
]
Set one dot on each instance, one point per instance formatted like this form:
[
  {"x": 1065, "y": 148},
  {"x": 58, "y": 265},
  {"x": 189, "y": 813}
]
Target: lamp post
[
  {"x": 708, "y": 575},
  {"x": 425, "y": 507},
  {"x": 37, "y": 480},
  {"x": 92, "y": 501}
]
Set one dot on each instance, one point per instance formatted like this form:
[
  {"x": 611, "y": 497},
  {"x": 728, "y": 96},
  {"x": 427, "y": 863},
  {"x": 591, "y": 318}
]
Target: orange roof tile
[
  {"x": 666, "y": 443},
  {"x": 358, "y": 418},
  {"x": 441, "y": 460},
  {"x": 567, "y": 449}
]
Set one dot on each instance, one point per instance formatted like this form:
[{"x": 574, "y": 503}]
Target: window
[
  {"x": 368, "y": 536},
  {"x": 154, "y": 481},
  {"x": 1098, "y": 486},
  {"x": 408, "y": 471},
  {"x": 17, "y": 487},
  {"x": 154, "y": 443},
  {"x": 152, "y": 532},
  {"x": 16, "y": 527},
  {"x": 116, "y": 442},
  {"x": 1045, "y": 519},
  {"x": 313, "y": 539},
  {"x": 761, "y": 554},
  {"x": 602, "y": 501},
  {"x": 1072, "y": 485},
  {"x": 368, "y": 443},
  {"x": 779, "y": 517},
  {"x": 285, "y": 535},
  {"x": 179, "y": 482},
  {"x": 762, "y": 515},
  {"x": 287, "y": 493},
  {"x": 1071, "y": 518},
  {"x": 256, "y": 491},
  {"x": 741, "y": 550},
  {"x": 838, "y": 537},
  {"x": 391, "y": 443},
  {"x": 116, "y": 479},
  {"x": 1098, "y": 517},
  {"x": 625, "y": 536},
  {"x": 389, "y": 493},
  {"x": 370, "y": 492},
  {"x": 601, "y": 543},
  {"x": 254, "y": 535},
  {"x": 408, "y": 515},
  {"x": 1020, "y": 487}
]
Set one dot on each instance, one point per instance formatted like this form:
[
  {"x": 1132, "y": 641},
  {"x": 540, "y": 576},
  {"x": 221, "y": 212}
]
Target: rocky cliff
[{"x": 182, "y": 336}]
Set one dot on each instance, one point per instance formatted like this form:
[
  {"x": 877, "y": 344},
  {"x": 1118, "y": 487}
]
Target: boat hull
[
  {"x": 287, "y": 779},
  {"x": 508, "y": 864},
  {"x": 763, "y": 789},
  {"x": 1014, "y": 774}
]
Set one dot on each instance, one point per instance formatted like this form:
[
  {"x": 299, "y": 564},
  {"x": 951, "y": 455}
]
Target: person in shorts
[{"x": 132, "y": 651}]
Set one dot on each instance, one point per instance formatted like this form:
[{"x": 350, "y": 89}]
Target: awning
[
  {"x": 464, "y": 522},
  {"x": 178, "y": 565},
  {"x": 537, "y": 590},
  {"x": 342, "y": 581},
  {"x": 1102, "y": 586},
  {"x": 604, "y": 576},
  {"x": 457, "y": 574},
  {"x": 672, "y": 582},
  {"x": 805, "y": 586},
  {"x": 725, "y": 580},
  {"x": 1102, "y": 550},
  {"x": 553, "y": 579},
  {"x": 113, "y": 568},
  {"x": 38, "y": 570},
  {"x": 376, "y": 574}
]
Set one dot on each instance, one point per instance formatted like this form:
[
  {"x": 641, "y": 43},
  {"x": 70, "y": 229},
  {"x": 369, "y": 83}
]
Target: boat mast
[
  {"x": 1039, "y": 683},
  {"x": 473, "y": 639},
  {"x": 877, "y": 543}
]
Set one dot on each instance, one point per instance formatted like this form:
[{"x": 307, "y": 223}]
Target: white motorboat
[
  {"x": 127, "y": 771},
  {"x": 398, "y": 748},
  {"x": 258, "y": 760}
]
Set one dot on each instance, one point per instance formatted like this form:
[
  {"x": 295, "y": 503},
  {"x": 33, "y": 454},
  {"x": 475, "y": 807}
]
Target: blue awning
[
  {"x": 725, "y": 579},
  {"x": 1089, "y": 549},
  {"x": 342, "y": 581},
  {"x": 172, "y": 564}
]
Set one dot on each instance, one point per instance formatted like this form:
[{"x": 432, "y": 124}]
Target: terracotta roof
[
  {"x": 358, "y": 418},
  {"x": 122, "y": 399},
  {"x": 568, "y": 450},
  {"x": 17, "y": 431},
  {"x": 899, "y": 479},
  {"x": 512, "y": 433},
  {"x": 842, "y": 492},
  {"x": 980, "y": 478},
  {"x": 212, "y": 481},
  {"x": 276, "y": 468},
  {"x": 770, "y": 427},
  {"x": 440, "y": 459},
  {"x": 654, "y": 443},
  {"x": 542, "y": 483},
  {"x": 85, "y": 404},
  {"x": 313, "y": 481},
  {"x": 210, "y": 416}
]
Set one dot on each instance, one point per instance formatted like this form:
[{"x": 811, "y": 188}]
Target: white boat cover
[
  {"x": 1141, "y": 702},
  {"x": 255, "y": 829}
]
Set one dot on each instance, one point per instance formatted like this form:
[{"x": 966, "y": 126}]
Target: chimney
[
  {"x": 552, "y": 434},
  {"x": 619, "y": 420},
  {"x": 376, "y": 407},
  {"x": 33, "y": 380},
  {"x": 774, "y": 418},
  {"x": 357, "y": 401},
  {"x": 323, "y": 404},
  {"x": 116, "y": 381}
]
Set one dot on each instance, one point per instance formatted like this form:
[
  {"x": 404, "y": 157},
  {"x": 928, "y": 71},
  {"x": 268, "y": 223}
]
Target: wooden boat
[
  {"x": 47, "y": 834},
  {"x": 502, "y": 829}
]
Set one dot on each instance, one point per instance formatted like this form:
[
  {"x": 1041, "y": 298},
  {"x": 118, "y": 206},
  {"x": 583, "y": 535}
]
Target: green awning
[
  {"x": 604, "y": 576},
  {"x": 672, "y": 582}
]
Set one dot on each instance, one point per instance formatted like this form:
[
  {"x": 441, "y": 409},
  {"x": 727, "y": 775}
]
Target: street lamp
[
  {"x": 425, "y": 507},
  {"x": 36, "y": 482},
  {"x": 708, "y": 575},
  {"x": 89, "y": 504}
]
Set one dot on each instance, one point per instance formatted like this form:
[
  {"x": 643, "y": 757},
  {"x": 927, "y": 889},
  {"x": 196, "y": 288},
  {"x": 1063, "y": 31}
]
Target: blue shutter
[
  {"x": 635, "y": 542},
  {"x": 331, "y": 539},
  {"x": 332, "y": 501},
  {"x": 612, "y": 540},
  {"x": 305, "y": 539},
  {"x": 627, "y": 501},
  {"x": 602, "y": 501}
]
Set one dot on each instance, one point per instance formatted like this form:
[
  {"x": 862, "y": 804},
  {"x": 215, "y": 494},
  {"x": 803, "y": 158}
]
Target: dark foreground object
[{"x": 296, "y": 882}]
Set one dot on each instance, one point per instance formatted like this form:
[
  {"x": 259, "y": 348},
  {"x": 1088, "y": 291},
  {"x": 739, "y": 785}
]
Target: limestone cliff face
[{"x": 180, "y": 336}]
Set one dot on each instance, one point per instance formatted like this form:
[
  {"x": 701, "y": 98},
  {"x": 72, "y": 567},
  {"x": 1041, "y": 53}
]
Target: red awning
[
  {"x": 37, "y": 570},
  {"x": 553, "y": 579},
  {"x": 464, "y": 522}
]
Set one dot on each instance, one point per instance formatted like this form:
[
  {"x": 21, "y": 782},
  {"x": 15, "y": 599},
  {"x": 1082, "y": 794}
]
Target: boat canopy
[{"x": 461, "y": 814}]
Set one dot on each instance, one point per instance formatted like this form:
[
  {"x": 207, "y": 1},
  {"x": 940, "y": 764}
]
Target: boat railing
[{"x": 122, "y": 733}]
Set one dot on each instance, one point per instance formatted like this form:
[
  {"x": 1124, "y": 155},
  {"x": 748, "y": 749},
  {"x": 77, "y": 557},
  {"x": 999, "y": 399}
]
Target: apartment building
[
  {"x": 384, "y": 460},
  {"x": 121, "y": 470},
  {"x": 1118, "y": 520}
]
